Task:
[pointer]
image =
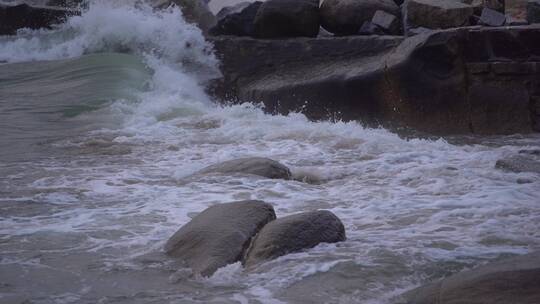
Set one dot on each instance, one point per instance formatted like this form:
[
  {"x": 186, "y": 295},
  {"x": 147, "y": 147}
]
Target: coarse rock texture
[
  {"x": 260, "y": 166},
  {"x": 219, "y": 235},
  {"x": 497, "y": 5},
  {"x": 195, "y": 11},
  {"x": 456, "y": 81},
  {"x": 287, "y": 18},
  {"x": 294, "y": 233},
  {"x": 520, "y": 163},
  {"x": 389, "y": 23},
  {"x": 238, "y": 20},
  {"x": 515, "y": 280},
  {"x": 533, "y": 11},
  {"x": 345, "y": 17},
  {"x": 15, "y": 17},
  {"x": 491, "y": 17},
  {"x": 436, "y": 14}
]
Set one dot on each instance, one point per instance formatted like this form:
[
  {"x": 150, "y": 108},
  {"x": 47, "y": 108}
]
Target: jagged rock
[
  {"x": 219, "y": 235},
  {"x": 492, "y": 17},
  {"x": 519, "y": 163},
  {"x": 533, "y": 11},
  {"x": 15, "y": 17},
  {"x": 294, "y": 233},
  {"x": 260, "y": 166},
  {"x": 515, "y": 280},
  {"x": 369, "y": 28},
  {"x": 287, "y": 18},
  {"x": 238, "y": 20},
  {"x": 436, "y": 14},
  {"x": 389, "y": 23},
  {"x": 345, "y": 17}
]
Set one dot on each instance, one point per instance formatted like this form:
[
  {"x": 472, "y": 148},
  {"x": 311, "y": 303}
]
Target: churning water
[{"x": 101, "y": 120}]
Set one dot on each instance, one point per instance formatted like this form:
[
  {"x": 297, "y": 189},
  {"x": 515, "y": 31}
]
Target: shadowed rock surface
[
  {"x": 14, "y": 17},
  {"x": 287, "y": 18},
  {"x": 195, "y": 11},
  {"x": 436, "y": 14},
  {"x": 515, "y": 280},
  {"x": 520, "y": 163},
  {"x": 238, "y": 20},
  {"x": 260, "y": 166},
  {"x": 219, "y": 235},
  {"x": 456, "y": 81},
  {"x": 294, "y": 233}
]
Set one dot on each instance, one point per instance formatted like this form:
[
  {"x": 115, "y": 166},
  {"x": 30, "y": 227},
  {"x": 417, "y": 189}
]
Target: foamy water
[{"x": 86, "y": 223}]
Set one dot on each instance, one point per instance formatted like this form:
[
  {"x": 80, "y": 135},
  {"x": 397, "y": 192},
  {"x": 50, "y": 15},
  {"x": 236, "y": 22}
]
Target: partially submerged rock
[
  {"x": 195, "y": 11},
  {"x": 219, "y": 235},
  {"x": 436, "y": 14},
  {"x": 515, "y": 280},
  {"x": 520, "y": 163},
  {"x": 238, "y": 20},
  {"x": 287, "y": 18},
  {"x": 260, "y": 166},
  {"x": 294, "y": 233},
  {"x": 345, "y": 17},
  {"x": 15, "y": 17}
]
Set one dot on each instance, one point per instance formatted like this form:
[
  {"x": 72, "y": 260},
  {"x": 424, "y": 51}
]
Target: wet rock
[
  {"x": 219, "y": 235},
  {"x": 496, "y": 5},
  {"x": 260, "y": 166},
  {"x": 345, "y": 17},
  {"x": 294, "y": 233},
  {"x": 287, "y": 18},
  {"x": 195, "y": 11},
  {"x": 519, "y": 163},
  {"x": 238, "y": 20},
  {"x": 533, "y": 11},
  {"x": 515, "y": 280},
  {"x": 15, "y": 17},
  {"x": 389, "y": 23},
  {"x": 491, "y": 17},
  {"x": 369, "y": 28},
  {"x": 436, "y": 14},
  {"x": 417, "y": 31}
]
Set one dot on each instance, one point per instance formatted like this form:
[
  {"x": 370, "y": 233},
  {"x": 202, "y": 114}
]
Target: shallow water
[{"x": 102, "y": 124}]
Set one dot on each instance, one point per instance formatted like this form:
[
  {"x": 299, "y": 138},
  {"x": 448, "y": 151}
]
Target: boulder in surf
[
  {"x": 219, "y": 235},
  {"x": 15, "y": 17},
  {"x": 260, "y": 166}
]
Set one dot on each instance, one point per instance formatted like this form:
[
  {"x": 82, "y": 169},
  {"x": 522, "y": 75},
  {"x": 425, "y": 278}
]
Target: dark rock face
[
  {"x": 515, "y": 280},
  {"x": 491, "y": 17},
  {"x": 219, "y": 235},
  {"x": 436, "y": 14},
  {"x": 195, "y": 11},
  {"x": 287, "y": 18},
  {"x": 294, "y": 233},
  {"x": 469, "y": 80},
  {"x": 238, "y": 20},
  {"x": 345, "y": 17},
  {"x": 14, "y": 17},
  {"x": 519, "y": 163},
  {"x": 496, "y": 5},
  {"x": 533, "y": 11},
  {"x": 369, "y": 28},
  {"x": 389, "y": 23},
  {"x": 260, "y": 166}
]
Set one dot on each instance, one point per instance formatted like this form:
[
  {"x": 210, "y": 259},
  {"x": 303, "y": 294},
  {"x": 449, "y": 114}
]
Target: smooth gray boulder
[
  {"x": 238, "y": 20},
  {"x": 294, "y": 233},
  {"x": 436, "y": 14},
  {"x": 519, "y": 163},
  {"x": 260, "y": 166},
  {"x": 345, "y": 17},
  {"x": 287, "y": 18},
  {"x": 219, "y": 235},
  {"x": 515, "y": 280},
  {"x": 533, "y": 11}
]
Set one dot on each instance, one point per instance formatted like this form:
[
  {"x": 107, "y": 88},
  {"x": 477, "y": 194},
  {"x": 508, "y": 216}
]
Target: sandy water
[{"x": 102, "y": 120}]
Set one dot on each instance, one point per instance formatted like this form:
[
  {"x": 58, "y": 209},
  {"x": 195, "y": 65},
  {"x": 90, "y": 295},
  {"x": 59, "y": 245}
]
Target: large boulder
[
  {"x": 195, "y": 11},
  {"x": 260, "y": 166},
  {"x": 294, "y": 233},
  {"x": 345, "y": 17},
  {"x": 436, "y": 14},
  {"x": 519, "y": 163},
  {"x": 533, "y": 11},
  {"x": 15, "y": 17},
  {"x": 515, "y": 280},
  {"x": 238, "y": 20},
  {"x": 287, "y": 18},
  {"x": 219, "y": 235},
  {"x": 459, "y": 81}
]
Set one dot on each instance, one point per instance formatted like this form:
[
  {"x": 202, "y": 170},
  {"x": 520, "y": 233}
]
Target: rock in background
[
  {"x": 237, "y": 20},
  {"x": 287, "y": 18}
]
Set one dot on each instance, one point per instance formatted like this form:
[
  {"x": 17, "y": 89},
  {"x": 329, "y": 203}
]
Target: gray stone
[
  {"x": 219, "y": 235},
  {"x": 389, "y": 23},
  {"x": 294, "y": 233},
  {"x": 491, "y": 17},
  {"x": 238, "y": 20},
  {"x": 195, "y": 11},
  {"x": 496, "y": 5},
  {"x": 345, "y": 17},
  {"x": 15, "y": 17},
  {"x": 260, "y": 166},
  {"x": 519, "y": 163},
  {"x": 417, "y": 31},
  {"x": 368, "y": 28},
  {"x": 511, "y": 21},
  {"x": 436, "y": 14},
  {"x": 515, "y": 280},
  {"x": 533, "y": 11},
  {"x": 287, "y": 18}
]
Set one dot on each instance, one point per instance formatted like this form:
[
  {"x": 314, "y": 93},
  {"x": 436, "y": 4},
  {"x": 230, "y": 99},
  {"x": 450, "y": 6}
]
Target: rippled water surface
[{"x": 104, "y": 118}]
